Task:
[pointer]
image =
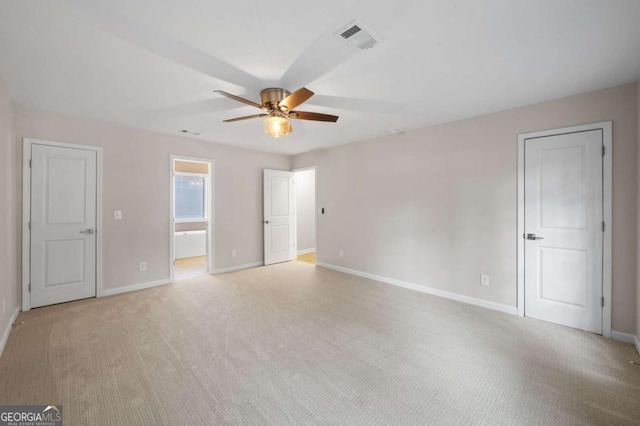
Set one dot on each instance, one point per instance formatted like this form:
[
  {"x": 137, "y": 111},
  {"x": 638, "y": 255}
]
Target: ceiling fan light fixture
[
  {"x": 277, "y": 126},
  {"x": 278, "y": 105}
]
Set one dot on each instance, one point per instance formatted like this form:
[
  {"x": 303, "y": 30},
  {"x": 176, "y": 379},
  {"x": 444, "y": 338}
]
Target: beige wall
[
  {"x": 9, "y": 266},
  {"x": 136, "y": 181},
  {"x": 437, "y": 206}
]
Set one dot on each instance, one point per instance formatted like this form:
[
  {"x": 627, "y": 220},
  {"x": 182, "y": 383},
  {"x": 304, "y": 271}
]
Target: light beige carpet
[{"x": 297, "y": 344}]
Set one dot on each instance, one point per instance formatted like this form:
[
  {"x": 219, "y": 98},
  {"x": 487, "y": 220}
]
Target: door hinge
[
  {"x": 603, "y": 226},
  {"x": 603, "y": 150},
  {"x": 29, "y": 225},
  {"x": 29, "y": 287},
  {"x": 29, "y": 163},
  {"x": 602, "y": 302}
]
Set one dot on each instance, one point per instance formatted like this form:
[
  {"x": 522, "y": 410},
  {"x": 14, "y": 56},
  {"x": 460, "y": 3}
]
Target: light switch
[{"x": 117, "y": 215}]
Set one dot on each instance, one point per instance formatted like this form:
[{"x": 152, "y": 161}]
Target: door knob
[
  {"x": 87, "y": 231},
  {"x": 533, "y": 237},
  {"x": 266, "y": 221}
]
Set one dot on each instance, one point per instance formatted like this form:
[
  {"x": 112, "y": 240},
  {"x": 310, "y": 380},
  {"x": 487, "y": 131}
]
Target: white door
[
  {"x": 63, "y": 224},
  {"x": 279, "y": 217},
  {"x": 563, "y": 229}
]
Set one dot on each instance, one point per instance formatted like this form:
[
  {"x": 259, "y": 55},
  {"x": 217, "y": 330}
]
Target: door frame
[
  {"x": 315, "y": 196},
  {"x": 210, "y": 200},
  {"x": 607, "y": 186},
  {"x": 26, "y": 212}
]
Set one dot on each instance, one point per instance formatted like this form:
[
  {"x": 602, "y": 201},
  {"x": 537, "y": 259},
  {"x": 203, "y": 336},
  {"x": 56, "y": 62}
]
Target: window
[{"x": 190, "y": 199}]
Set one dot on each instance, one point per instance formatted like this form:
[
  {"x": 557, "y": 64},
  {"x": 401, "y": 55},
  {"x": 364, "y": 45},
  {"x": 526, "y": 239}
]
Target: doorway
[
  {"x": 564, "y": 226},
  {"x": 191, "y": 232},
  {"x": 306, "y": 217},
  {"x": 62, "y": 235}
]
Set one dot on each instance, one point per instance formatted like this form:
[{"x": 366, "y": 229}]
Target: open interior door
[
  {"x": 279, "y": 217},
  {"x": 564, "y": 229}
]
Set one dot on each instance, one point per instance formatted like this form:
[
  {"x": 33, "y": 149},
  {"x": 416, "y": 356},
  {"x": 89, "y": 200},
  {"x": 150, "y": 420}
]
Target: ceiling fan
[{"x": 278, "y": 105}]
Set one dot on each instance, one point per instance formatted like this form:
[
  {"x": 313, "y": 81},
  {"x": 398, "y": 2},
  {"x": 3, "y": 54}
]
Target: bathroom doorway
[{"x": 191, "y": 218}]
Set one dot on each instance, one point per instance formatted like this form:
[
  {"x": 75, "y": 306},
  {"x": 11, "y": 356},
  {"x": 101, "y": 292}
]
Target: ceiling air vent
[{"x": 358, "y": 36}]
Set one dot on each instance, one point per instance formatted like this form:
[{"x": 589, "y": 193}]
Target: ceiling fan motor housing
[
  {"x": 272, "y": 96},
  {"x": 280, "y": 103}
]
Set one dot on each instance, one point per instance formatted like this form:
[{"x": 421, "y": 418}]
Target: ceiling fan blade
[
  {"x": 231, "y": 120},
  {"x": 295, "y": 99},
  {"x": 121, "y": 25},
  {"x": 315, "y": 116},
  {"x": 239, "y": 99}
]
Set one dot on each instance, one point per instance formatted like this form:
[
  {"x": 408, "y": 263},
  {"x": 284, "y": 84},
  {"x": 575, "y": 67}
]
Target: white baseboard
[
  {"x": 134, "y": 287},
  {"x": 637, "y": 342},
  {"x": 435, "y": 292},
  {"x": 623, "y": 337},
  {"x": 7, "y": 330},
  {"x": 305, "y": 251},
  {"x": 237, "y": 268}
]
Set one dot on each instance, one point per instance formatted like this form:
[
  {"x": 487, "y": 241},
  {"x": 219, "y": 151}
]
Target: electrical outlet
[
  {"x": 143, "y": 266},
  {"x": 484, "y": 280},
  {"x": 341, "y": 253},
  {"x": 117, "y": 215},
  {"x": 233, "y": 253}
]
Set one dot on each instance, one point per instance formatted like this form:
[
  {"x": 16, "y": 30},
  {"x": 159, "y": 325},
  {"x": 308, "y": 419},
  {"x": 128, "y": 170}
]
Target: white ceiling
[{"x": 154, "y": 64}]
